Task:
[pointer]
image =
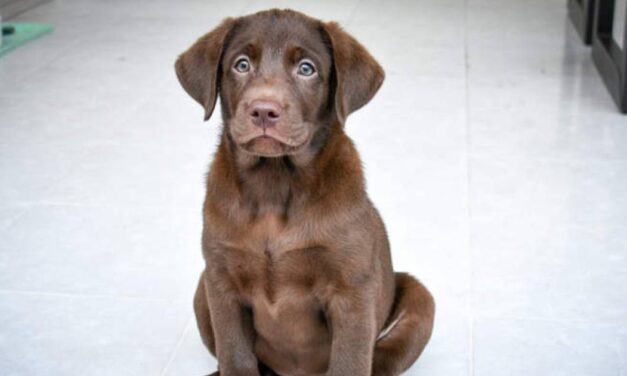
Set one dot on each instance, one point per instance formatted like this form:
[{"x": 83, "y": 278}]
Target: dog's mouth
[
  {"x": 269, "y": 142},
  {"x": 267, "y": 146}
]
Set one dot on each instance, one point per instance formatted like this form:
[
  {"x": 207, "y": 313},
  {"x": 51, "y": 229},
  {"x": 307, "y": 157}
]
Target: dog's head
[{"x": 282, "y": 78}]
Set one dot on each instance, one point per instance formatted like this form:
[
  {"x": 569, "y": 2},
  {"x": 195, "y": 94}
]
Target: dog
[{"x": 298, "y": 278}]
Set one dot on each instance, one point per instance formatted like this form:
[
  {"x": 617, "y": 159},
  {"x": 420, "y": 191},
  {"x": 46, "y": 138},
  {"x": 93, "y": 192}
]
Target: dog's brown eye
[
  {"x": 242, "y": 65},
  {"x": 306, "y": 69}
]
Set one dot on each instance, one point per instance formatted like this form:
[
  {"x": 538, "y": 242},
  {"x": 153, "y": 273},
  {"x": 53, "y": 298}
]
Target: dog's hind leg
[{"x": 408, "y": 328}]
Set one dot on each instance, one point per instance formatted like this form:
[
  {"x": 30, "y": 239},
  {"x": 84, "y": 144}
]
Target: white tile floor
[{"x": 493, "y": 151}]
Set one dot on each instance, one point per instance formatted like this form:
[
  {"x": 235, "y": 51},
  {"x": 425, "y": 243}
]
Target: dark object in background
[
  {"x": 609, "y": 39},
  {"x": 8, "y": 30},
  {"x": 581, "y": 14}
]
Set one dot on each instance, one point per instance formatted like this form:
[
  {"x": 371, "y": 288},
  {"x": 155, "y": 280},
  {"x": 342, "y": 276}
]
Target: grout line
[
  {"x": 29, "y": 204},
  {"x": 566, "y": 160},
  {"x": 60, "y": 52},
  {"x": 13, "y": 219},
  {"x": 471, "y": 346},
  {"x": 560, "y": 320},
  {"x": 471, "y": 277},
  {"x": 87, "y": 296},
  {"x": 178, "y": 346}
]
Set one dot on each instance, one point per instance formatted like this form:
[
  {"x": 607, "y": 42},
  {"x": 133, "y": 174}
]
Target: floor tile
[
  {"x": 569, "y": 61},
  {"x": 549, "y": 191},
  {"x": 9, "y": 214},
  {"x": 559, "y": 248},
  {"x": 516, "y": 25},
  {"x": 135, "y": 175},
  {"x": 325, "y": 9},
  {"x": 411, "y": 23},
  {"x": 549, "y": 271},
  {"x": 493, "y": 152},
  {"x": 548, "y": 133},
  {"x": 28, "y": 171},
  {"x": 530, "y": 347},
  {"x": 65, "y": 335},
  {"x": 47, "y": 122},
  {"x": 192, "y": 357},
  {"x": 114, "y": 251},
  {"x": 451, "y": 334}
]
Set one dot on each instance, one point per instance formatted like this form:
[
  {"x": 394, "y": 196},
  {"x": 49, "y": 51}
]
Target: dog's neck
[
  {"x": 268, "y": 184},
  {"x": 278, "y": 185},
  {"x": 273, "y": 184}
]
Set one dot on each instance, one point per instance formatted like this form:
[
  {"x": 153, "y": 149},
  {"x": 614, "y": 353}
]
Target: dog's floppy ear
[
  {"x": 358, "y": 74},
  {"x": 198, "y": 68}
]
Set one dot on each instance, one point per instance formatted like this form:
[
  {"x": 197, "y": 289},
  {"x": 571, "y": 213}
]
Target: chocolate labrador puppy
[{"x": 298, "y": 277}]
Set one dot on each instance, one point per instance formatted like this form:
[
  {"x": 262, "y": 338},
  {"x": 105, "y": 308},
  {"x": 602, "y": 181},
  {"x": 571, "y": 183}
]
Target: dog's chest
[
  {"x": 273, "y": 262},
  {"x": 279, "y": 276}
]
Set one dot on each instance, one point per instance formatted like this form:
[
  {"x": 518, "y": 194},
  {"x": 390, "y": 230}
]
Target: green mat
[{"x": 24, "y": 33}]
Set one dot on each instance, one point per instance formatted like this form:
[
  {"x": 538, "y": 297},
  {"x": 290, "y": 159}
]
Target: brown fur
[{"x": 298, "y": 277}]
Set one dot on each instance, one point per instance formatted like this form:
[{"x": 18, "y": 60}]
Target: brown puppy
[{"x": 298, "y": 277}]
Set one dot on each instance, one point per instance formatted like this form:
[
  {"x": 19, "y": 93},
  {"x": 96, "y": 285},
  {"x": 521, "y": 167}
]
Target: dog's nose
[{"x": 264, "y": 114}]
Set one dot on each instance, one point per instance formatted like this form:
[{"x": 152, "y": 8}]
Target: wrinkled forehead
[{"x": 273, "y": 35}]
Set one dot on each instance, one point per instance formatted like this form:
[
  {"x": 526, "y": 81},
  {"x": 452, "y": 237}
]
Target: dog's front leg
[
  {"x": 232, "y": 328},
  {"x": 352, "y": 320}
]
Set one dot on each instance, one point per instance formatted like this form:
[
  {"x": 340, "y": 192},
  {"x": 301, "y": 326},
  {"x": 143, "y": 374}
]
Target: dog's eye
[
  {"x": 306, "y": 68},
  {"x": 242, "y": 65}
]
